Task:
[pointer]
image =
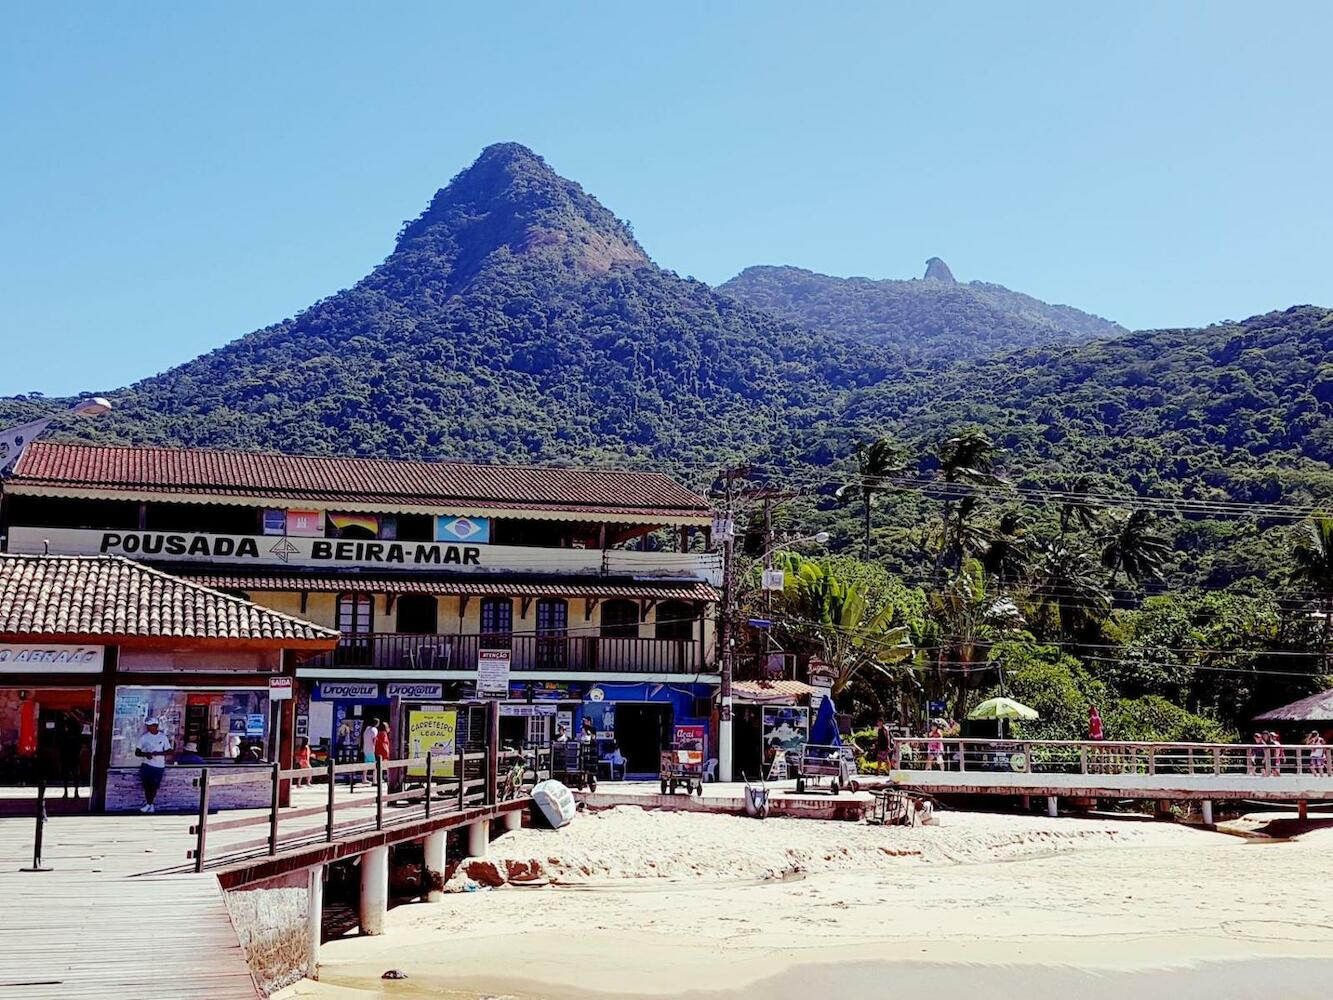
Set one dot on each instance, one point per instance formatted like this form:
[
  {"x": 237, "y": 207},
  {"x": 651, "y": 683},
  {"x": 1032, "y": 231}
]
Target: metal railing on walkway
[{"x": 1101, "y": 757}]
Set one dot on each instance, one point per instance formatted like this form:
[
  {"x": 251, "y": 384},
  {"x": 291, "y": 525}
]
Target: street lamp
[
  {"x": 14, "y": 439},
  {"x": 724, "y": 742}
]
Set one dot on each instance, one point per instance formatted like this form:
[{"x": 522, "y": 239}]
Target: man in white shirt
[
  {"x": 153, "y": 746},
  {"x": 368, "y": 737}
]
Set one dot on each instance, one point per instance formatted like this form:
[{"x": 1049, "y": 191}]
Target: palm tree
[
  {"x": 1312, "y": 558},
  {"x": 967, "y": 621},
  {"x": 876, "y": 461},
  {"x": 1067, "y": 585},
  {"x": 967, "y": 459},
  {"x": 828, "y": 617},
  {"x": 964, "y": 535},
  {"x": 1007, "y": 556},
  {"x": 1134, "y": 549},
  {"x": 1076, "y": 509}
]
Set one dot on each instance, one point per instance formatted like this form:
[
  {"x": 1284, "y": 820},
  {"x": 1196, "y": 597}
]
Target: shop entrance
[
  {"x": 747, "y": 741},
  {"x": 48, "y": 733},
  {"x": 643, "y": 731},
  {"x": 349, "y": 721}
]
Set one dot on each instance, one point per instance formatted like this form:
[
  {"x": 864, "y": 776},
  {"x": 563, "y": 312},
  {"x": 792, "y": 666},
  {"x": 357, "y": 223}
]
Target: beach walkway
[{"x": 95, "y": 926}]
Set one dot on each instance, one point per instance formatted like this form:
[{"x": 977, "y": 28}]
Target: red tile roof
[
  {"x": 760, "y": 692},
  {"x": 446, "y": 586},
  {"x": 114, "y": 598},
  {"x": 351, "y": 480}
]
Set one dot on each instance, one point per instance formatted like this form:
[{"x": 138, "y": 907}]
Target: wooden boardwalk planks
[{"x": 93, "y": 926}]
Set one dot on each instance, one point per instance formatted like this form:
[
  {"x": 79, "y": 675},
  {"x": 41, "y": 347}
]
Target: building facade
[
  {"x": 92, "y": 646},
  {"x": 567, "y": 594}
]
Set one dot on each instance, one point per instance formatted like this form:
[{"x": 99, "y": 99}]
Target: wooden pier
[
  {"x": 1083, "y": 769},
  {"x": 94, "y": 926},
  {"x": 133, "y": 907}
]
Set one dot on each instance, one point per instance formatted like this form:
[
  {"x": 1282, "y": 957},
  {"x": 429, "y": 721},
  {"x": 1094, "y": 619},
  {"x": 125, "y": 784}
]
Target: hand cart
[
  {"x": 683, "y": 764},
  {"x": 574, "y": 763},
  {"x": 813, "y": 763}
]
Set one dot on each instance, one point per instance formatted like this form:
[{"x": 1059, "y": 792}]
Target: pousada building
[{"x": 581, "y": 593}]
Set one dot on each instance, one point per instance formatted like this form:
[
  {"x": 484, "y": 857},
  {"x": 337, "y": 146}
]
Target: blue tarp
[{"x": 824, "y": 732}]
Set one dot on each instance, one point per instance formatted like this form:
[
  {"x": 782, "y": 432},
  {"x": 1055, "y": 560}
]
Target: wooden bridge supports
[
  {"x": 1206, "y": 807},
  {"x": 478, "y": 838},
  {"x": 374, "y": 890},
  {"x": 1052, "y": 805},
  {"x": 512, "y": 820},
  {"x": 314, "y": 920},
  {"x": 435, "y": 864}
]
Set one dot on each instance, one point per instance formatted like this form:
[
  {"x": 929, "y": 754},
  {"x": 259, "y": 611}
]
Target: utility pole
[{"x": 727, "y": 620}]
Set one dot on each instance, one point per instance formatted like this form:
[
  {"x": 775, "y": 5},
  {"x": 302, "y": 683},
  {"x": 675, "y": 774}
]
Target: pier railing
[
  {"x": 357, "y": 798},
  {"x": 1109, "y": 757}
]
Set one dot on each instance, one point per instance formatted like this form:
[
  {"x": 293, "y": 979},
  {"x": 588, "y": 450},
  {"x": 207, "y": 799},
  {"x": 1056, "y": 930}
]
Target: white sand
[{"x": 661, "y": 904}]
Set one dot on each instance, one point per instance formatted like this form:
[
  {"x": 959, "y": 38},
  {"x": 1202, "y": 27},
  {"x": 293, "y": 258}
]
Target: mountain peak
[
  {"x": 937, "y": 270},
  {"x": 510, "y": 200}
]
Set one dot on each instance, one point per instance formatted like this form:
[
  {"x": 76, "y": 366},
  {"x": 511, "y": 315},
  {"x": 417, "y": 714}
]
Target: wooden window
[
  {"x": 620, "y": 619},
  {"x": 497, "y": 623},
  {"x": 552, "y": 632}
]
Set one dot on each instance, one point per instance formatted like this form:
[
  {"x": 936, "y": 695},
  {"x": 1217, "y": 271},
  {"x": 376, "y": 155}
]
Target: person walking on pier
[
  {"x": 883, "y": 746},
  {"x": 153, "y": 747}
]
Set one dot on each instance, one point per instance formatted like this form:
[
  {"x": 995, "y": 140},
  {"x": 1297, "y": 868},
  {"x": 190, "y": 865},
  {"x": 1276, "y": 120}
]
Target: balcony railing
[{"x": 528, "y": 653}]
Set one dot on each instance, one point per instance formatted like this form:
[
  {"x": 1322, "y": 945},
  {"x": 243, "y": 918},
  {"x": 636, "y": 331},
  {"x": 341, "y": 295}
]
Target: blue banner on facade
[
  {"x": 474, "y": 530},
  {"x": 347, "y": 690}
]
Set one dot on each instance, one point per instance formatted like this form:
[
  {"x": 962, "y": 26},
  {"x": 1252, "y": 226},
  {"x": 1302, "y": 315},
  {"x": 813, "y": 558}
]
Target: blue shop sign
[{"x": 347, "y": 690}]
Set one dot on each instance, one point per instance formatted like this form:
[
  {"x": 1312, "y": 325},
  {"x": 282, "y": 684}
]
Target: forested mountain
[
  {"x": 515, "y": 319},
  {"x": 929, "y": 322},
  {"x": 518, "y": 319}
]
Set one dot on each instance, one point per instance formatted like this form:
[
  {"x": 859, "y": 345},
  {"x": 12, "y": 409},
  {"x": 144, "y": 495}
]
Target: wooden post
[
  {"x": 1152, "y": 760},
  {"x": 201, "y": 831},
  {"x": 379, "y": 794},
  {"x": 462, "y": 773},
  {"x": 314, "y": 920},
  {"x": 1217, "y": 762},
  {"x": 273, "y": 811},
  {"x": 328, "y": 826},
  {"x": 1302, "y": 810},
  {"x": 1083, "y": 759},
  {"x": 430, "y": 781},
  {"x": 492, "y": 750}
]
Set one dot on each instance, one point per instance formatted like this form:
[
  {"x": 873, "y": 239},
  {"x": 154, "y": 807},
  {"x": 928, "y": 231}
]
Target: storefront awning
[{"x": 770, "y": 692}]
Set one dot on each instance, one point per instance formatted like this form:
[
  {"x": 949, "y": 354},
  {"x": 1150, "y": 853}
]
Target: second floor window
[
  {"x": 497, "y": 622},
  {"x": 620, "y": 620}
]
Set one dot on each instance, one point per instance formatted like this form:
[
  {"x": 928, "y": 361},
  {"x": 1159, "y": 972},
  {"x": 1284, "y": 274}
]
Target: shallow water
[{"x": 1251, "y": 979}]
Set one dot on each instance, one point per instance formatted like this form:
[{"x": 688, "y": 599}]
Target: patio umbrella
[
  {"x": 824, "y": 731},
  {"x": 1003, "y": 708}
]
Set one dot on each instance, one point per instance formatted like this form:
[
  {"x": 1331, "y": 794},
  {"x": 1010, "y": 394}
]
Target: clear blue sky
[{"x": 176, "y": 175}]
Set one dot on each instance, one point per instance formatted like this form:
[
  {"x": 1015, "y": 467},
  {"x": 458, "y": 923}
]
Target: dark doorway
[
  {"x": 418, "y": 614},
  {"x": 642, "y": 732},
  {"x": 747, "y": 738}
]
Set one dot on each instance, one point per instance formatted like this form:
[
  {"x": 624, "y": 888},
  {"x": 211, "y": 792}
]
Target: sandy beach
[{"x": 627, "y": 903}]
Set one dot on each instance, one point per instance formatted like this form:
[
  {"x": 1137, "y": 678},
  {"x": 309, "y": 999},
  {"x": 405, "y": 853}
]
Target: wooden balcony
[{"x": 529, "y": 653}]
